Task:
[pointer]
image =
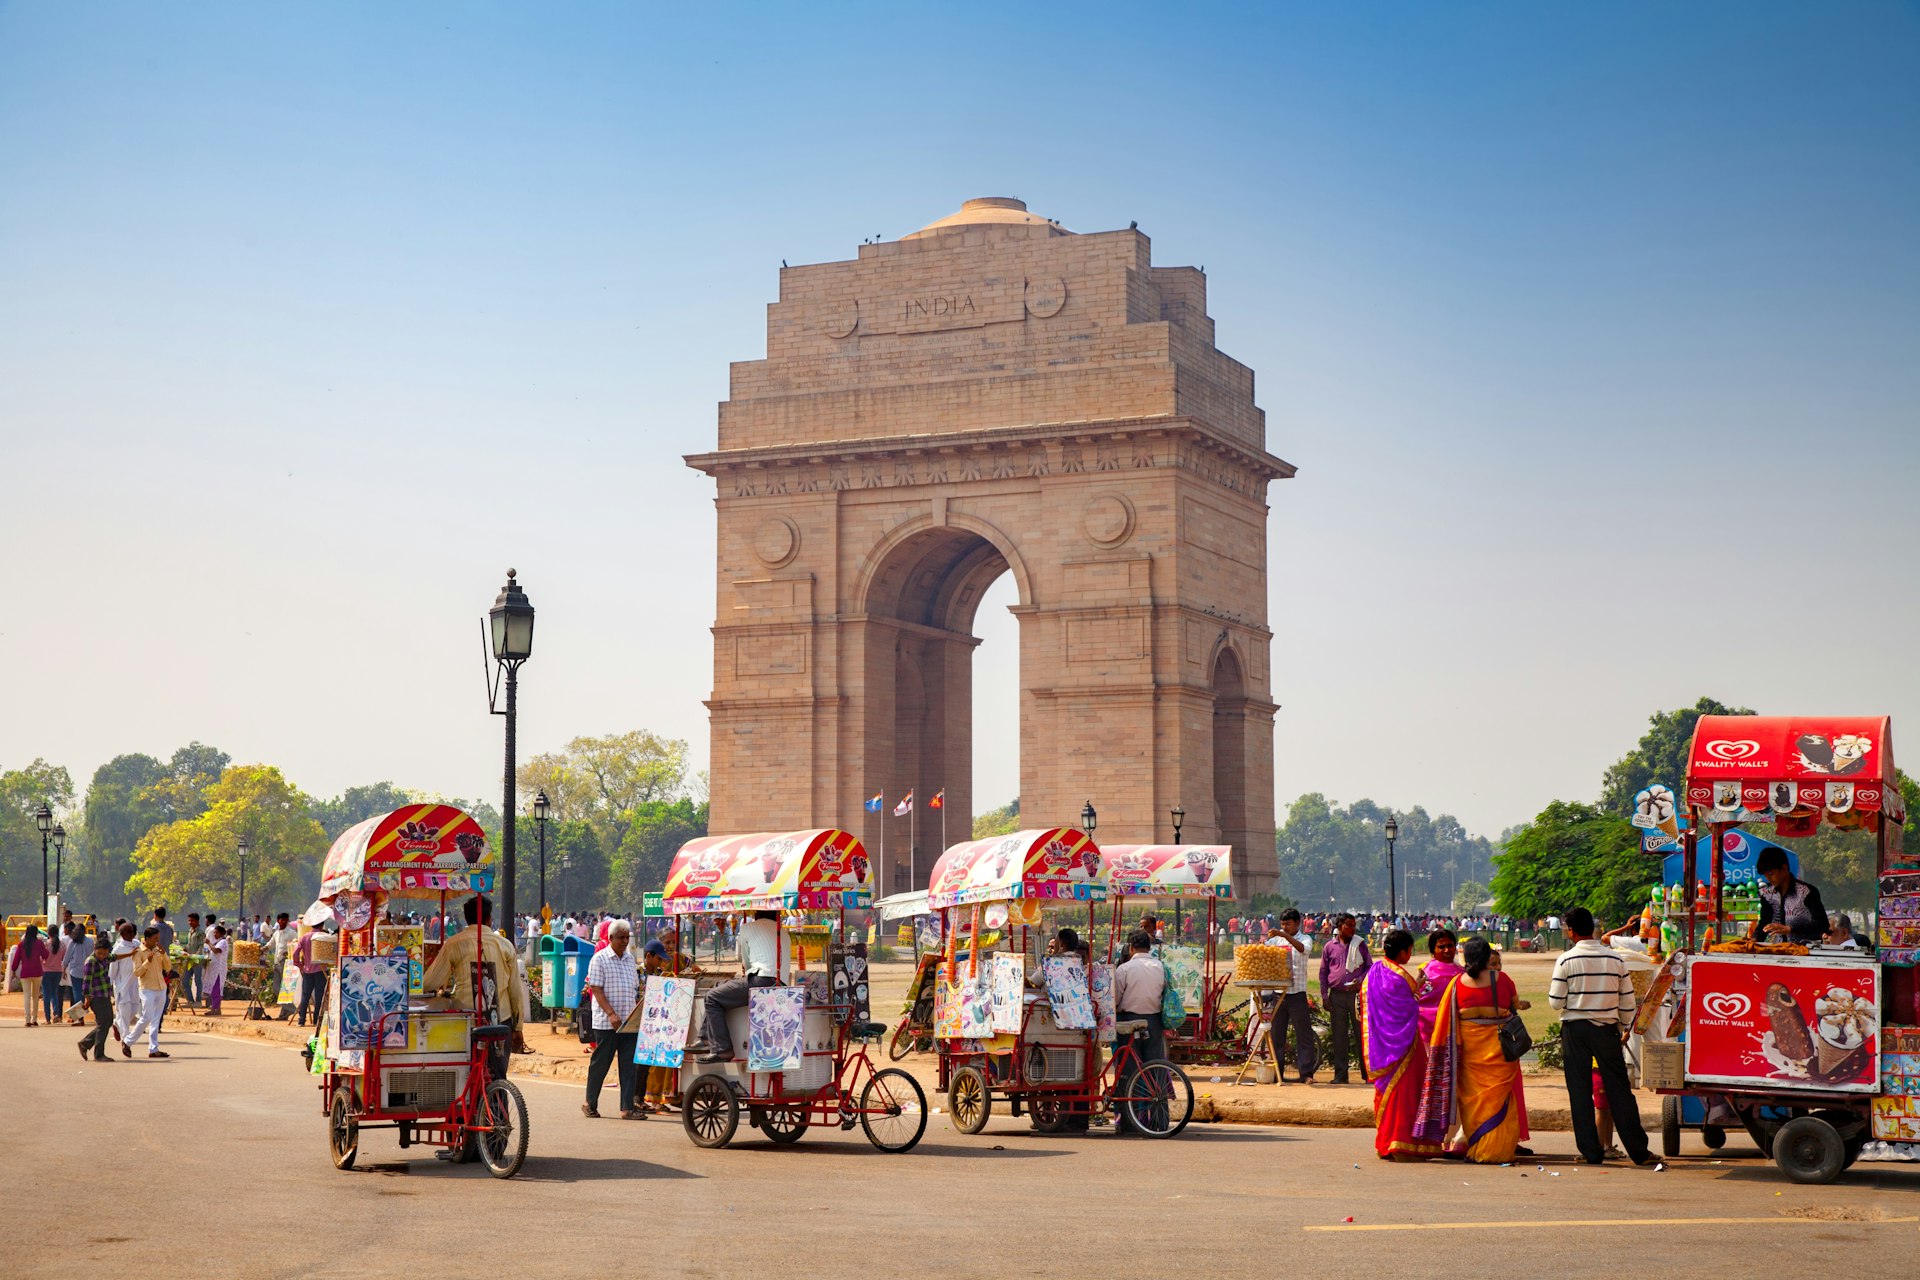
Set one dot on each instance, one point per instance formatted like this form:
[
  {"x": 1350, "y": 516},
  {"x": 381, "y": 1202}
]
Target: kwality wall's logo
[
  {"x": 1726, "y": 1006},
  {"x": 1728, "y": 753}
]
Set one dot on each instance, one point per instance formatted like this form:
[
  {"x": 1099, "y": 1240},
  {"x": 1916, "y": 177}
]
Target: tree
[
  {"x": 1003, "y": 821},
  {"x": 1330, "y": 855},
  {"x": 654, "y": 833},
  {"x": 121, "y": 806},
  {"x": 576, "y": 865},
  {"x": 1660, "y": 755},
  {"x": 601, "y": 780},
  {"x": 1574, "y": 855},
  {"x": 357, "y": 804},
  {"x": 1468, "y": 897},
  {"x": 196, "y": 861},
  {"x": 21, "y": 792}
]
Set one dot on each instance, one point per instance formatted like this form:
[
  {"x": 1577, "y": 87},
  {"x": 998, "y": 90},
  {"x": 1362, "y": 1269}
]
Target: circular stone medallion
[
  {"x": 776, "y": 541},
  {"x": 1046, "y": 297},
  {"x": 1107, "y": 520}
]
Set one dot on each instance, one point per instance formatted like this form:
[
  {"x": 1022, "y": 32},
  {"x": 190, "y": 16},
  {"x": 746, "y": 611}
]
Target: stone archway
[{"x": 994, "y": 394}]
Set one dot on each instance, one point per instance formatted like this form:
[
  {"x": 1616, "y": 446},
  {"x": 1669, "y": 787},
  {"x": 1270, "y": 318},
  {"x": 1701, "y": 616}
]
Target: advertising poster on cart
[
  {"x": 372, "y": 988},
  {"x": 1009, "y": 982},
  {"x": 666, "y": 1012},
  {"x": 774, "y": 1037},
  {"x": 1067, "y": 993},
  {"x": 1784, "y": 1025}
]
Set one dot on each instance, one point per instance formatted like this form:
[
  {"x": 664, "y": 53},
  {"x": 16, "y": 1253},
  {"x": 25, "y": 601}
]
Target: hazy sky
[{"x": 1593, "y": 330}]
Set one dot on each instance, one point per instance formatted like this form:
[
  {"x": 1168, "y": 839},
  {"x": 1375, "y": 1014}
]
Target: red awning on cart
[
  {"x": 1056, "y": 863},
  {"x": 1777, "y": 765}
]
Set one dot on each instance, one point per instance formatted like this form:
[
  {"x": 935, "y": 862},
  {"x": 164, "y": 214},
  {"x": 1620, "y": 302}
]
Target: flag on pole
[
  {"x": 939, "y": 800},
  {"x": 905, "y": 806},
  {"x": 877, "y": 803}
]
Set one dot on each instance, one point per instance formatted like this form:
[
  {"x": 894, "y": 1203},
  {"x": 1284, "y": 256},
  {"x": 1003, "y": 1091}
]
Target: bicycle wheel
[
  {"x": 710, "y": 1113},
  {"x": 901, "y": 1043},
  {"x": 503, "y": 1129},
  {"x": 1159, "y": 1102},
  {"x": 343, "y": 1131},
  {"x": 784, "y": 1124},
  {"x": 968, "y": 1100},
  {"x": 893, "y": 1111}
]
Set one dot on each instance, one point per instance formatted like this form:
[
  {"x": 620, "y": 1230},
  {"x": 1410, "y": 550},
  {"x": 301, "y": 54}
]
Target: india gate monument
[{"x": 994, "y": 394}]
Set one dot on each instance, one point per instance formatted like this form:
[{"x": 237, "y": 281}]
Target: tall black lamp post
[
  {"x": 59, "y": 854},
  {"x": 1088, "y": 818},
  {"x": 510, "y": 629},
  {"x": 540, "y": 806},
  {"x": 1179, "y": 816},
  {"x": 245, "y": 845},
  {"x": 43, "y": 819},
  {"x": 1393, "y": 881}
]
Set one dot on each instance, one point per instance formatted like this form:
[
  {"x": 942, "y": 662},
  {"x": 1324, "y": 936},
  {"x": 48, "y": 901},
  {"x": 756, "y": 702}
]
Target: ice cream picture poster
[
  {"x": 1009, "y": 981},
  {"x": 1811, "y": 1026},
  {"x": 774, "y": 1019},
  {"x": 372, "y": 988},
  {"x": 666, "y": 1012}
]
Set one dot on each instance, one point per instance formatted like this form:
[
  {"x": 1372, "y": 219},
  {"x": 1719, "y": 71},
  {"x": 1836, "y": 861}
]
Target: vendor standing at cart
[
  {"x": 762, "y": 964},
  {"x": 1790, "y": 908},
  {"x": 503, "y": 998}
]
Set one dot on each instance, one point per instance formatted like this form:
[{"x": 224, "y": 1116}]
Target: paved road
[{"x": 216, "y": 1161}]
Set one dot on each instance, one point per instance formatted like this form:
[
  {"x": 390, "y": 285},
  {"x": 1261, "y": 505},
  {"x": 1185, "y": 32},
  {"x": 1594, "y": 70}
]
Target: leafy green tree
[
  {"x": 1468, "y": 897},
  {"x": 1660, "y": 755},
  {"x": 195, "y": 860},
  {"x": 654, "y": 833},
  {"x": 121, "y": 806},
  {"x": 357, "y": 804},
  {"x": 21, "y": 792},
  {"x": 602, "y": 780},
  {"x": 1330, "y": 855},
  {"x": 1003, "y": 821},
  {"x": 1574, "y": 855}
]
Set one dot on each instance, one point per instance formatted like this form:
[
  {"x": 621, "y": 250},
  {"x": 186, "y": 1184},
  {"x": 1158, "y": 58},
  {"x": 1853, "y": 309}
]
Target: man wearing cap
[{"x": 663, "y": 1083}]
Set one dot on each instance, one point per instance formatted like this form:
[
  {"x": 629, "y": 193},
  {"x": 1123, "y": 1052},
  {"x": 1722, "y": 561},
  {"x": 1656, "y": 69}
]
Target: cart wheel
[
  {"x": 893, "y": 1111},
  {"x": 503, "y": 1129},
  {"x": 1809, "y": 1150},
  {"x": 1714, "y": 1136},
  {"x": 902, "y": 1042},
  {"x": 784, "y": 1125},
  {"x": 1670, "y": 1126},
  {"x": 1049, "y": 1114},
  {"x": 343, "y": 1130},
  {"x": 710, "y": 1113},
  {"x": 1160, "y": 1100},
  {"x": 969, "y": 1101}
]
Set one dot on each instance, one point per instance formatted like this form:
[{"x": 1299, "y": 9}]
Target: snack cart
[
  {"x": 1811, "y": 1049},
  {"x": 387, "y": 1055},
  {"x": 800, "y": 1049},
  {"x": 1040, "y": 1051},
  {"x": 1180, "y": 873}
]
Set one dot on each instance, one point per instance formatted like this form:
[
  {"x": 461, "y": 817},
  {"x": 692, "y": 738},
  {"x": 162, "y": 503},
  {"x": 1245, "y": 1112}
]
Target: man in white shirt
[
  {"x": 1139, "y": 986},
  {"x": 762, "y": 964},
  {"x": 1292, "y": 1011},
  {"x": 1594, "y": 997},
  {"x": 613, "y": 984}
]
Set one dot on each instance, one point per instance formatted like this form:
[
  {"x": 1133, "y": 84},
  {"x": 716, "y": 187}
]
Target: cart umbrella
[
  {"x": 769, "y": 870},
  {"x": 1169, "y": 870},
  {"x": 1793, "y": 770},
  {"x": 423, "y": 848},
  {"x": 1059, "y": 863}
]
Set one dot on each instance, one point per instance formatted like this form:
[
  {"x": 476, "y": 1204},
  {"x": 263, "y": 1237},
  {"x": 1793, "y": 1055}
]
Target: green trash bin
[{"x": 552, "y": 974}]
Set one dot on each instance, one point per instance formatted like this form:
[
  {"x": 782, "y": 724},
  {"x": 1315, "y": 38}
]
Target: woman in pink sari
[
  {"x": 1434, "y": 977},
  {"x": 1392, "y": 1053}
]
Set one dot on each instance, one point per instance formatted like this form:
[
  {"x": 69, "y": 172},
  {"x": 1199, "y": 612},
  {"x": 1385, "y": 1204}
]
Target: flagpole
[
  {"x": 883, "y": 844},
  {"x": 913, "y": 845}
]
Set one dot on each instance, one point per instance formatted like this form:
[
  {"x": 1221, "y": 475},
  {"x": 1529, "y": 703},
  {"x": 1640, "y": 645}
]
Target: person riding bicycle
[
  {"x": 503, "y": 996},
  {"x": 1139, "y": 986}
]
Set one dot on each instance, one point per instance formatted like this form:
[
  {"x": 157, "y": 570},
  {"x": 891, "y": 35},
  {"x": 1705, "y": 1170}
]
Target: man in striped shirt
[{"x": 1592, "y": 994}]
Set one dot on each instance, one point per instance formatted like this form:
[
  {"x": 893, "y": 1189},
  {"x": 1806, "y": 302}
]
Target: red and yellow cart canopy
[
  {"x": 769, "y": 870},
  {"x": 1169, "y": 870},
  {"x": 423, "y": 847},
  {"x": 1763, "y": 767},
  {"x": 1061, "y": 862}
]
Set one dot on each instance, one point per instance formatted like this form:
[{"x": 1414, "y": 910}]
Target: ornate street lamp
[
  {"x": 540, "y": 806},
  {"x": 1179, "y": 816},
  {"x": 43, "y": 819},
  {"x": 1393, "y": 882},
  {"x": 245, "y": 845},
  {"x": 59, "y": 852},
  {"x": 1088, "y": 818},
  {"x": 510, "y": 631}
]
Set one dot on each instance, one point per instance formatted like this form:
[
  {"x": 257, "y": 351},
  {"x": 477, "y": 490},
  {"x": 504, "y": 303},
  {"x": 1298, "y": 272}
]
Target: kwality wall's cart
[
  {"x": 814, "y": 1027},
  {"x": 390, "y": 1055},
  {"x": 1813, "y": 1054},
  {"x": 1180, "y": 873}
]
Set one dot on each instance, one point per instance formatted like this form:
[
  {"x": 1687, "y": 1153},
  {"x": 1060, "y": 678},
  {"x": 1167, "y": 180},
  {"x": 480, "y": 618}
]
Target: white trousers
[
  {"x": 152, "y": 1005},
  {"x": 126, "y": 1008}
]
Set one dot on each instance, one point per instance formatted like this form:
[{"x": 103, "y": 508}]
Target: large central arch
[{"x": 994, "y": 395}]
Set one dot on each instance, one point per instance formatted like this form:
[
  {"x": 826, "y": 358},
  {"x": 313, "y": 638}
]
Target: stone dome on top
[{"x": 987, "y": 211}]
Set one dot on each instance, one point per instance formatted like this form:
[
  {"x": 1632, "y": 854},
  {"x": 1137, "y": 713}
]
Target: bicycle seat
[
  {"x": 1130, "y": 1027},
  {"x": 494, "y": 1032},
  {"x": 867, "y": 1030}
]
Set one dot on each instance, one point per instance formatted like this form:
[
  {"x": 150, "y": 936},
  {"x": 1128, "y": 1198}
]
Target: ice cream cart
[
  {"x": 388, "y": 1056},
  {"x": 805, "y": 1060},
  {"x": 1180, "y": 873},
  {"x": 1808, "y": 1048}
]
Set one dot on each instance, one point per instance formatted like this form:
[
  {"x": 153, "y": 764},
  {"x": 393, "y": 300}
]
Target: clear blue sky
[{"x": 1593, "y": 331}]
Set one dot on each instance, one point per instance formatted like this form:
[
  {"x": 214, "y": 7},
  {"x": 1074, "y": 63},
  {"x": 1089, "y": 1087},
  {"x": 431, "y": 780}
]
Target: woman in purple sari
[{"x": 1393, "y": 1053}]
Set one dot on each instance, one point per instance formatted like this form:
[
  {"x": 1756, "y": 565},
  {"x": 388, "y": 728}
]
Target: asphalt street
[{"x": 216, "y": 1161}]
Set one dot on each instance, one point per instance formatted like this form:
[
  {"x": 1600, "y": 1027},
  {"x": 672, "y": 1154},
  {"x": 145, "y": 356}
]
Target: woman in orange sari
[
  {"x": 1392, "y": 1053},
  {"x": 1471, "y": 1088}
]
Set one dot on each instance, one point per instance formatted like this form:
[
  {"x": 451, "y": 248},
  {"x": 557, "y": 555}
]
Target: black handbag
[{"x": 1515, "y": 1039}]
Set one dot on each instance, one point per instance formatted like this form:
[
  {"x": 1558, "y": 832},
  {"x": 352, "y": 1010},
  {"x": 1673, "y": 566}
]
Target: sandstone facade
[{"x": 994, "y": 394}]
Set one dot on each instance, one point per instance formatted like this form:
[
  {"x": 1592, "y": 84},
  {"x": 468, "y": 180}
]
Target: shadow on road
[{"x": 572, "y": 1169}]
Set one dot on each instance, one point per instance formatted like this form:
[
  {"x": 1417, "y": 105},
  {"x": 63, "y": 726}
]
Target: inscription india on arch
[{"x": 959, "y": 306}]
